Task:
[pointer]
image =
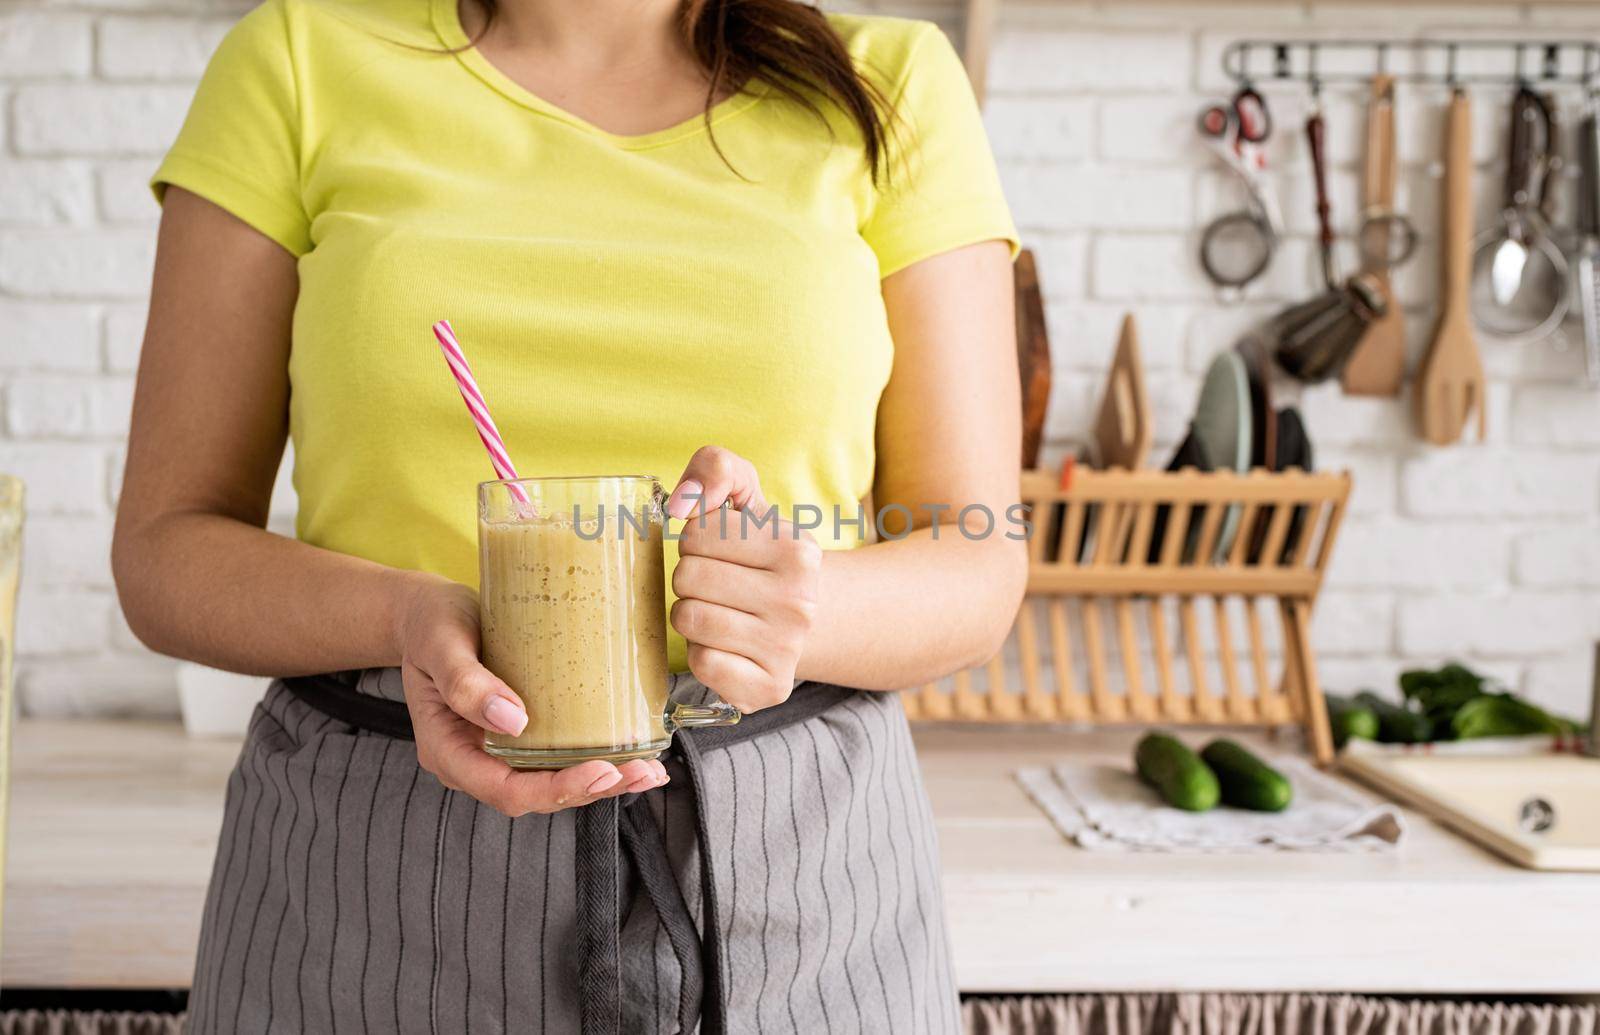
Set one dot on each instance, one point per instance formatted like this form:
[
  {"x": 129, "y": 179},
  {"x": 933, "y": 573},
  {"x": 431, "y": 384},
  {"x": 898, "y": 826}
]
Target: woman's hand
[
  {"x": 453, "y": 699},
  {"x": 747, "y": 586}
]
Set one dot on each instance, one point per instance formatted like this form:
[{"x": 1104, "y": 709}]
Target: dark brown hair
[{"x": 789, "y": 46}]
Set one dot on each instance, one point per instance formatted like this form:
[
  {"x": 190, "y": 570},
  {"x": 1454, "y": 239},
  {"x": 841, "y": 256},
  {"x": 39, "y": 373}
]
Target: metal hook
[
  {"x": 1522, "y": 75},
  {"x": 1450, "y": 65},
  {"x": 1552, "y": 60},
  {"x": 1383, "y": 58},
  {"x": 1281, "y": 60},
  {"x": 1315, "y": 80}
]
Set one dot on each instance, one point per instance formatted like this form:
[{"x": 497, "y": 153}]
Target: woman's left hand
[{"x": 747, "y": 583}]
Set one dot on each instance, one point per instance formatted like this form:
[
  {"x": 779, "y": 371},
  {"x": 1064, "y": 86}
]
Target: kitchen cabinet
[{"x": 114, "y": 825}]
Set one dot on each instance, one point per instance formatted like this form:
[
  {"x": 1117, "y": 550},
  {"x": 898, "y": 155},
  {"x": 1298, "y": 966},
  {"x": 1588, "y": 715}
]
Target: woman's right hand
[{"x": 453, "y": 699}]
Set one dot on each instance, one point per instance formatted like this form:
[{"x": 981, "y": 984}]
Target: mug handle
[{"x": 693, "y": 716}]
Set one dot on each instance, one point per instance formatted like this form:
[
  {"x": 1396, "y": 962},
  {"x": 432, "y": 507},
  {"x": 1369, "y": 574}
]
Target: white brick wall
[{"x": 1488, "y": 552}]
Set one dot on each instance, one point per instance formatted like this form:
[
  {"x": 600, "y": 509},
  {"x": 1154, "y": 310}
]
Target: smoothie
[{"x": 576, "y": 626}]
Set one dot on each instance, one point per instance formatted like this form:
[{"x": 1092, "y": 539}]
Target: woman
[{"x": 732, "y": 238}]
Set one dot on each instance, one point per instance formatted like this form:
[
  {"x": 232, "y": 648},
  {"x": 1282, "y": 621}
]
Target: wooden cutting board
[
  {"x": 1033, "y": 357},
  {"x": 1122, "y": 428}
]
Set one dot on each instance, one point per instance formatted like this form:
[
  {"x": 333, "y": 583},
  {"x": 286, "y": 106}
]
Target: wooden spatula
[
  {"x": 1122, "y": 428},
  {"x": 1377, "y": 365},
  {"x": 1450, "y": 385}
]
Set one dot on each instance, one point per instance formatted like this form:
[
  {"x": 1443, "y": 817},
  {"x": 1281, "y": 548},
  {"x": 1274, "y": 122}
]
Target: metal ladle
[{"x": 1520, "y": 289}]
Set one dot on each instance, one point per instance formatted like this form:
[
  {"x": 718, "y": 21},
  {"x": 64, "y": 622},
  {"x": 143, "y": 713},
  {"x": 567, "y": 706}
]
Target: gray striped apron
[{"x": 785, "y": 880}]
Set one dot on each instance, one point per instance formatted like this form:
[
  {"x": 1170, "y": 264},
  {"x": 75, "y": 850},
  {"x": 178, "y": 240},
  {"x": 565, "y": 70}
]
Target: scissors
[{"x": 1236, "y": 247}]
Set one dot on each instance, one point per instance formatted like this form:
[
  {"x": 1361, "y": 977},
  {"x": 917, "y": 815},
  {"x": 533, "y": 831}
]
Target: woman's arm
[
  {"x": 902, "y": 612},
  {"x": 200, "y": 578},
  {"x": 760, "y": 610}
]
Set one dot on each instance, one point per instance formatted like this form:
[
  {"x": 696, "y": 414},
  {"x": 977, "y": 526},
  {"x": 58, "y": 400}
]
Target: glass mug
[{"x": 572, "y": 593}]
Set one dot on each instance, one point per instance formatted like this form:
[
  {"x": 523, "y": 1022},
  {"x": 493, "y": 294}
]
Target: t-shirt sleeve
[
  {"x": 942, "y": 189},
  {"x": 239, "y": 147}
]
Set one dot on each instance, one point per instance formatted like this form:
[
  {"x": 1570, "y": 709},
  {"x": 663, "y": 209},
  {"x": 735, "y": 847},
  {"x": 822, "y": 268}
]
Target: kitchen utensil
[
  {"x": 1122, "y": 428},
  {"x": 1450, "y": 384},
  {"x": 1293, "y": 451},
  {"x": 1387, "y": 238},
  {"x": 1190, "y": 455},
  {"x": 1263, "y": 418},
  {"x": 1294, "y": 445},
  {"x": 1222, "y": 414},
  {"x": 1588, "y": 265},
  {"x": 1316, "y": 137},
  {"x": 1520, "y": 287},
  {"x": 1313, "y": 339},
  {"x": 1222, "y": 428},
  {"x": 1033, "y": 356},
  {"x": 1530, "y": 138},
  {"x": 1236, "y": 247}
]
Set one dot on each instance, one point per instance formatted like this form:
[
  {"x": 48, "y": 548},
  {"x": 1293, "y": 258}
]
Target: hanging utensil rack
[
  {"x": 1137, "y": 599},
  {"x": 1552, "y": 62}
]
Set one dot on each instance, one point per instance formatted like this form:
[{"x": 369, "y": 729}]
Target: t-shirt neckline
[{"x": 447, "y": 25}]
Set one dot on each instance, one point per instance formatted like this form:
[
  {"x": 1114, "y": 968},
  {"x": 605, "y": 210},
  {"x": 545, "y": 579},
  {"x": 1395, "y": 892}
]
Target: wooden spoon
[
  {"x": 1377, "y": 365},
  {"x": 1450, "y": 385}
]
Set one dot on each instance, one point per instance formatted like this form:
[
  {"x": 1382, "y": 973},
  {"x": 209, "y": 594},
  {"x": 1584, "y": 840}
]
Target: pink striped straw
[{"x": 478, "y": 408}]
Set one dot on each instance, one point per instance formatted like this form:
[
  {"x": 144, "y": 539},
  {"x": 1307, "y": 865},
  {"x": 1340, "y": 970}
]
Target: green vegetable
[
  {"x": 1349, "y": 720},
  {"x": 1459, "y": 703},
  {"x": 1441, "y": 693},
  {"x": 1246, "y": 781},
  {"x": 1502, "y": 715},
  {"x": 1176, "y": 772},
  {"x": 1397, "y": 724}
]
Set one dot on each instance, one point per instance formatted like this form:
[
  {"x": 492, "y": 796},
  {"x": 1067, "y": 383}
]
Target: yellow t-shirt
[{"x": 623, "y": 300}]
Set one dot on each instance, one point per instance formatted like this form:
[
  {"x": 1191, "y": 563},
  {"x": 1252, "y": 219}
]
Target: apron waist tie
[{"x": 607, "y": 829}]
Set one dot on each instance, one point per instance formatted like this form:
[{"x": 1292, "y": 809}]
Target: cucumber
[
  {"x": 1396, "y": 724},
  {"x": 1349, "y": 720},
  {"x": 1246, "y": 781},
  {"x": 1176, "y": 772}
]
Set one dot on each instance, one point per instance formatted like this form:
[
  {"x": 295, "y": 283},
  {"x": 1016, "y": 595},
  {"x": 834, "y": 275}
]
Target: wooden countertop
[{"x": 113, "y": 827}]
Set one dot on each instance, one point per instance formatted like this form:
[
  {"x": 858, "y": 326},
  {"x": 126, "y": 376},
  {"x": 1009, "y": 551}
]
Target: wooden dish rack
[{"x": 1130, "y": 571}]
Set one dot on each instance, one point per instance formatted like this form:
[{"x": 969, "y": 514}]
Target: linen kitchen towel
[{"x": 1107, "y": 808}]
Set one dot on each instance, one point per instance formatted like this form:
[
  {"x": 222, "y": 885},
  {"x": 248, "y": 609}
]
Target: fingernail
[
  {"x": 505, "y": 716},
  {"x": 685, "y": 498},
  {"x": 607, "y": 781}
]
